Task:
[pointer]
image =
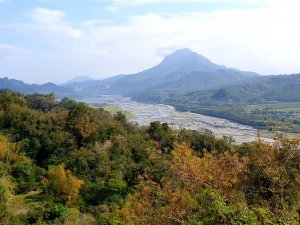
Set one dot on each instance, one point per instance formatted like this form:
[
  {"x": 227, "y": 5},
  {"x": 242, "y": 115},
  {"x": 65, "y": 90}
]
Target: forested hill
[
  {"x": 67, "y": 163},
  {"x": 283, "y": 88}
]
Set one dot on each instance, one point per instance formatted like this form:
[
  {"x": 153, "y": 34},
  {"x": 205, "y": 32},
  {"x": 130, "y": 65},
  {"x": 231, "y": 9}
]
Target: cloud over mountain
[{"x": 259, "y": 37}]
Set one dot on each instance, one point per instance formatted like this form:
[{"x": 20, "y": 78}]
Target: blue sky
[{"x": 55, "y": 40}]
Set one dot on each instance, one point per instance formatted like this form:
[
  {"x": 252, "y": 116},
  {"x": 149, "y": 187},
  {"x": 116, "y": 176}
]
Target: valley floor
[{"x": 144, "y": 114}]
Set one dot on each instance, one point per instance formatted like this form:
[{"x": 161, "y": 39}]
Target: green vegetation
[
  {"x": 264, "y": 102},
  {"x": 68, "y": 163},
  {"x": 273, "y": 116}
]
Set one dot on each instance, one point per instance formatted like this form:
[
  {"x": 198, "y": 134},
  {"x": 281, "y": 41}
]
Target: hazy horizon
[{"x": 51, "y": 40}]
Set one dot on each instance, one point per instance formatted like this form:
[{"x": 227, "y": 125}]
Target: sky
[{"x": 56, "y": 40}]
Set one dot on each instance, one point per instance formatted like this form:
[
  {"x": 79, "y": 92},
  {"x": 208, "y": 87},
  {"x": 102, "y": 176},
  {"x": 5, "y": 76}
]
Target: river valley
[{"x": 146, "y": 113}]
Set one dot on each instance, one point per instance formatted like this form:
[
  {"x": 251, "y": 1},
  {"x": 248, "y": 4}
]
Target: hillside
[
  {"x": 66, "y": 163},
  {"x": 283, "y": 88},
  {"x": 198, "y": 80}
]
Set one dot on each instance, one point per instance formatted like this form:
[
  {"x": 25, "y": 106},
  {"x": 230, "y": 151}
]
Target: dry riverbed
[{"x": 144, "y": 114}]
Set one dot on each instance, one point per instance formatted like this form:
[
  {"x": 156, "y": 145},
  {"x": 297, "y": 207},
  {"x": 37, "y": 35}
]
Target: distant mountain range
[
  {"x": 183, "y": 72},
  {"x": 20, "y": 86}
]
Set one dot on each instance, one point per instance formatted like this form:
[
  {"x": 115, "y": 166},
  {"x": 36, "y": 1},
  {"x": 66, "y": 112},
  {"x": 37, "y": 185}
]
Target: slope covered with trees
[{"x": 66, "y": 163}]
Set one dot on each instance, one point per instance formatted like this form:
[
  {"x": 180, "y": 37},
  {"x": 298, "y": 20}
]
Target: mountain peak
[
  {"x": 187, "y": 60},
  {"x": 187, "y": 55},
  {"x": 184, "y": 51}
]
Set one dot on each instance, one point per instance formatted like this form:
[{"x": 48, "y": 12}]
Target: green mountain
[{"x": 284, "y": 88}]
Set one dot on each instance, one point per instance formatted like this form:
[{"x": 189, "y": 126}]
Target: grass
[{"x": 19, "y": 204}]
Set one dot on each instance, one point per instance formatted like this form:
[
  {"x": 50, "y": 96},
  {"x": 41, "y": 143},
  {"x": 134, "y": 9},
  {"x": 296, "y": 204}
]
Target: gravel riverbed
[{"x": 144, "y": 114}]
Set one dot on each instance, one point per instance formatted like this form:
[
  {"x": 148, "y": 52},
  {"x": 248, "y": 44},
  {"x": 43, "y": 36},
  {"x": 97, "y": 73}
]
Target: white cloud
[
  {"x": 264, "y": 40},
  {"x": 54, "y": 22},
  {"x": 143, "y": 2},
  {"x": 116, "y": 5},
  {"x": 42, "y": 15}
]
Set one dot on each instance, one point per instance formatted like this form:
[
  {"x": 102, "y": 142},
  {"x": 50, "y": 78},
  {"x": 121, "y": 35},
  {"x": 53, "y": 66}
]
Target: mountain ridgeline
[{"x": 180, "y": 71}]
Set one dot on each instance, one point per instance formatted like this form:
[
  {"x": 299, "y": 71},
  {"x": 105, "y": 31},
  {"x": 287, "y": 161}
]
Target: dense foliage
[{"x": 67, "y": 163}]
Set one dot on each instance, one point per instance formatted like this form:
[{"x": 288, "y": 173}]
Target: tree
[
  {"x": 198, "y": 191},
  {"x": 61, "y": 184},
  {"x": 272, "y": 179},
  {"x": 121, "y": 117},
  {"x": 41, "y": 102},
  {"x": 163, "y": 135}
]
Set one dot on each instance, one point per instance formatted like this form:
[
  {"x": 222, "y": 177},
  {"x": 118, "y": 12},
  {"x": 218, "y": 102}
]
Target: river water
[{"x": 146, "y": 113}]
